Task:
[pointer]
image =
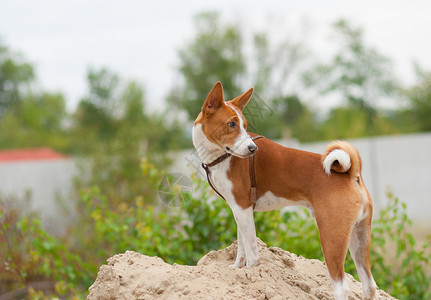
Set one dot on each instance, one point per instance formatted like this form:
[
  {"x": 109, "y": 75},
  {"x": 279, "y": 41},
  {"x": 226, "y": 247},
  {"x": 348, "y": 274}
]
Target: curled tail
[{"x": 342, "y": 157}]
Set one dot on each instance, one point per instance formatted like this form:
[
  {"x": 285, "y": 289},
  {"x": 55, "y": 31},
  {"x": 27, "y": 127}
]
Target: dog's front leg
[
  {"x": 240, "y": 253},
  {"x": 247, "y": 235}
]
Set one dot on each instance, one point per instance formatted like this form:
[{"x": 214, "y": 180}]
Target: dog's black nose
[{"x": 252, "y": 148}]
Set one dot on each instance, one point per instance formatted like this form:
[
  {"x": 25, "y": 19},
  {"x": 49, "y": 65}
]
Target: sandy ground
[{"x": 280, "y": 275}]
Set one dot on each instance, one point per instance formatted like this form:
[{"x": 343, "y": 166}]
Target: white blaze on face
[{"x": 243, "y": 141}]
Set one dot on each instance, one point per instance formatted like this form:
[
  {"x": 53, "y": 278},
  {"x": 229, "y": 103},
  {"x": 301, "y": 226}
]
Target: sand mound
[{"x": 280, "y": 275}]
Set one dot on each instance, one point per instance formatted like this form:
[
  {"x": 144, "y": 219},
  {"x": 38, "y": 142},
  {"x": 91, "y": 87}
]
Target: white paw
[
  {"x": 252, "y": 263},
  {"x": 239, "y": 263}
]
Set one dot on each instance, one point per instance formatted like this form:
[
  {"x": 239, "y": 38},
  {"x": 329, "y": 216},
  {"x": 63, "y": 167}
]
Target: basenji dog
[{"x": 329, "y": 185}]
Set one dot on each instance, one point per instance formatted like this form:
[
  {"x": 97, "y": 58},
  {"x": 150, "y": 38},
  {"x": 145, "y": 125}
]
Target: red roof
[{"x": 29, "y": 154}]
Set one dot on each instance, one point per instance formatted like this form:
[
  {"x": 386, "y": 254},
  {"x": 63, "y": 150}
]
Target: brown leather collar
[
  {"x": 251, "y": 171},
  {"x": 216, "y": 161}
]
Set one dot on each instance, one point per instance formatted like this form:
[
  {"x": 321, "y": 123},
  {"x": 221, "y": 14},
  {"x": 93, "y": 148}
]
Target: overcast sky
[{"x": 140, "y": 39}]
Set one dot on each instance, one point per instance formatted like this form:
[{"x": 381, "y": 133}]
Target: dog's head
[{"x": 224, "y": 124}]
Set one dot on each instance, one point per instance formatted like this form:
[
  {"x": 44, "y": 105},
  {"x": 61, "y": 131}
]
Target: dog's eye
[{"x": 231, "y": 124}]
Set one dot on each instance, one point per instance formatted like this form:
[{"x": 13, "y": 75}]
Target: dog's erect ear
[
  {"x": 242, "y": 100},
  {"x": 214, "y": 99}
]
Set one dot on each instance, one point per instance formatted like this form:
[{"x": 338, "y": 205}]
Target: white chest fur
[{"x": 208, "y": 152}]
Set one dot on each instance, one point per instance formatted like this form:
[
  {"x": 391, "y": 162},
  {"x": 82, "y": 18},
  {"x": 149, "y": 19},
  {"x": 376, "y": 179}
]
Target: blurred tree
[
  {"x": 132, "y": 100},
  {"x": 214, "y": 54},
  {"x": 28, "y": 119},
  {"x": 94, "y": 119},
  {"x": 348, "y": 122},
  {"x": 359, "y": 75},
  {"x": 277, "y": 66},
  {"x": 277, "y": 80},
  {"x": 111, "y": 127},
  {"x": 286, "y": 117},
  {"x": 35, "y": 121},
  {"x": 298, "y": 118},
  {"x": 15, "y": 77},
  {"x": 417, "y": 116}
]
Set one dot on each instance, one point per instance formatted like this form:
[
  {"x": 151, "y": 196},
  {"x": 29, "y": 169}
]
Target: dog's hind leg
[
  {"x": 334, "y": 237},
  {"x": 360, "y": 250},
  {"x": 247, "y": 234}
]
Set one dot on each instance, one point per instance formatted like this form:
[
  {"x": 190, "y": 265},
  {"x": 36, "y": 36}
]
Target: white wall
[{"x": 45, "y": 179}]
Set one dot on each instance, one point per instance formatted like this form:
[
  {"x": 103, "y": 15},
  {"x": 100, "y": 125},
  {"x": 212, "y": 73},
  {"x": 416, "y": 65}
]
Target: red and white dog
[{"x": 329, "y": 185}]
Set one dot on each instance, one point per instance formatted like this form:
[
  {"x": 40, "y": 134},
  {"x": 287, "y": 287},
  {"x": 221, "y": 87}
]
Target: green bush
[
  {"x": 407, "y": 276},
  {"x": 33, "y": 258},
  {"x": 183, "y": 234}
]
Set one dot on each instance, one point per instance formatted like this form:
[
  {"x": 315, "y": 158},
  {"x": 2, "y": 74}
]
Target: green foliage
[
  {"x": 360, "y": 76},
  {"x": 217, "y": 53},
  {"x": 31, "y": 255},
  {"x": 15, "y": 77},
  {"x": 402, "y": 267},
  {"x": 95, "y": 120},
  {"x": 28, "y": 119},
  {"x": 348, "y": 122},
  {"x": 172, "y": 233},
  {"x": 109, "y": 120},
  {"x": 419, "y": 98},
  {"x": 35, "y": 121},
  {"x": 283, "y": 73},
  {"x": 359, "y": 73},
  {"x": 111, "y": 128}
]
